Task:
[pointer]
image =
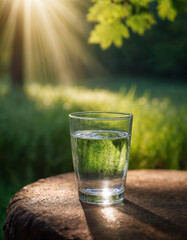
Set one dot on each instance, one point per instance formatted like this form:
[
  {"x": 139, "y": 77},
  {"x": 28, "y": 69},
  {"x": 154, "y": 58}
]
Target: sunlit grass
[{"x": 159, "y": 131}]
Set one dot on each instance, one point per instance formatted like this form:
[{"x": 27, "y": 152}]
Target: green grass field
[
  {"x": 34, "y": 127},
  {"x": 160, "y": 88}
]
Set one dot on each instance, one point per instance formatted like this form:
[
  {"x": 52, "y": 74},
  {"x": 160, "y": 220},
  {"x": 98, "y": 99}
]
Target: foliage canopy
[{"x": 115, "y": 18}]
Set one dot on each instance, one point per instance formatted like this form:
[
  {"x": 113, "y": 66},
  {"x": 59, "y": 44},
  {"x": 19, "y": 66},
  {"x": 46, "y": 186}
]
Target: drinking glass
[{"x": 100, "y": 149}]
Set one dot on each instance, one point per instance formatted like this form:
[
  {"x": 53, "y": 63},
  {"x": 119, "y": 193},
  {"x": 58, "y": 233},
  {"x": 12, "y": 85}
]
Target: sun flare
[{"x": 54, "y": 36}]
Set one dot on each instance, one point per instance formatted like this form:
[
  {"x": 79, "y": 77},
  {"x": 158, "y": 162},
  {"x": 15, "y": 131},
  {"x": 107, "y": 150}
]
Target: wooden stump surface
[{"x": 155, "y": 207}]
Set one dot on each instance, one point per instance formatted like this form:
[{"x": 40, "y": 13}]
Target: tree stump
[{"x": 155, "y": 207}]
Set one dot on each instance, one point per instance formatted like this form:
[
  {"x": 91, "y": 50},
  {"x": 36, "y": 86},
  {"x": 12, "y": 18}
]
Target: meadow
[{"x": 34, "y": 127}]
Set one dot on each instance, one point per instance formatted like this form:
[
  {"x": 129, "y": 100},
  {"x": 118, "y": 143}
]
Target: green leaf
[
  {"x": 166, "y": 10},
  {"x": 105, "y": 10},
  {"x": 107, "y": 33},
  {"x": 112, "y": 15},
  {"x": 139, "y": 23}
]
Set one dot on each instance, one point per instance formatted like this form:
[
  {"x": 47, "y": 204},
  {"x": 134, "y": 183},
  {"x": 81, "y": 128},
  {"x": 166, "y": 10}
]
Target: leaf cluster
[{"x": 116, "y": 18}]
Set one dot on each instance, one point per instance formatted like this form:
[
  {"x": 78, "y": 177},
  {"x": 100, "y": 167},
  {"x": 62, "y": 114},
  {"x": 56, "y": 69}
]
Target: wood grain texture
[{"x": 155, "y": 207}]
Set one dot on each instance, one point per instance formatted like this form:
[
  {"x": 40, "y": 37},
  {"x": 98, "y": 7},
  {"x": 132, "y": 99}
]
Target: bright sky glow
[{"x": 53, "y": 33}]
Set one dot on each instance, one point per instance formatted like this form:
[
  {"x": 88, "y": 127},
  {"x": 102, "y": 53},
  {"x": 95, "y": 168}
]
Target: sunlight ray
[
  {"x": 55, "y": 33},
  {"x": 27, "y": 36}
]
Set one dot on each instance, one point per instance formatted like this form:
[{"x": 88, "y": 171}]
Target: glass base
[{"x": 101, "y": 197}]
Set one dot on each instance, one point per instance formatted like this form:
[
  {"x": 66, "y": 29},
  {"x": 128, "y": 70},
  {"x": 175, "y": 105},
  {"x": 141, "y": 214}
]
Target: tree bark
[
  {"x": 17, "y": 72},
  {"x": 5, "y": 13}
]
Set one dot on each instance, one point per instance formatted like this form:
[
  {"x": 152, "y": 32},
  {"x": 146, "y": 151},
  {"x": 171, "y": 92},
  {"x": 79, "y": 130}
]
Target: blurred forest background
[{"x": 62, "y": 73}]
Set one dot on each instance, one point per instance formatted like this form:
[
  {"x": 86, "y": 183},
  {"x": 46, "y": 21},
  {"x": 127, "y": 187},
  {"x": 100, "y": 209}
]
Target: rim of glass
[{"x": 77, "y": 115}]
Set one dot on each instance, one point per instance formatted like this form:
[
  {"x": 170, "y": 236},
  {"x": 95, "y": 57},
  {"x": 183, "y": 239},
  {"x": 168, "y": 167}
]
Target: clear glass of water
[{"x": 100, "y": 149}]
